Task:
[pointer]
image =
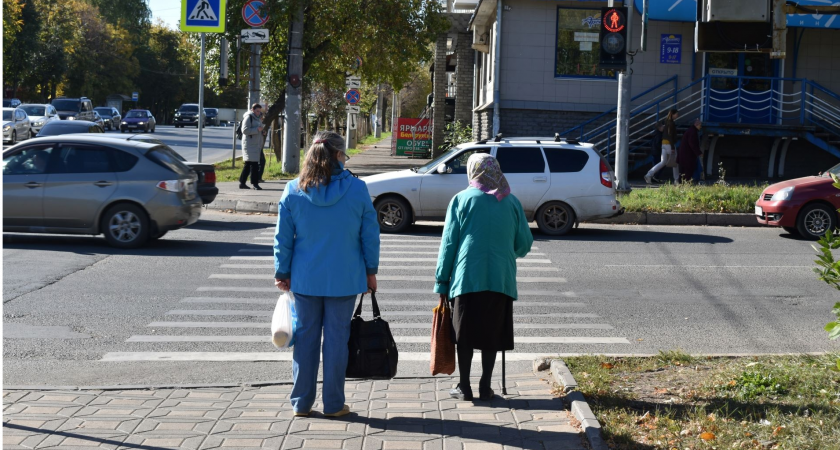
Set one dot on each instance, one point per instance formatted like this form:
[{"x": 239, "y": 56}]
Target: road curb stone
[
  {"x": 578, "y": 405},
  {"x": 683, "y": 219}
]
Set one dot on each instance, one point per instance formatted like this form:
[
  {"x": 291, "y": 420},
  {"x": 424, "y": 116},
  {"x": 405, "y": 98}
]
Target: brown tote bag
[{"x": 443, "y": 346}]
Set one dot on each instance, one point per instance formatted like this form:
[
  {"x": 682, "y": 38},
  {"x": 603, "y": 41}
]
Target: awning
[{"x": 686, "y": 11}]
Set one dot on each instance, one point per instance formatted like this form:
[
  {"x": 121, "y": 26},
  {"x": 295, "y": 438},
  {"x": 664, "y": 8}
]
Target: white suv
[{"x": 559, "y": 183}]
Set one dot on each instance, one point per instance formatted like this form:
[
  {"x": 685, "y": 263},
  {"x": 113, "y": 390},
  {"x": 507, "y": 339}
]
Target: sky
[{"x": 168, "y": 10}]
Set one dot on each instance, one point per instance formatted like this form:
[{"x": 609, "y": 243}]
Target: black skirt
[{"x": 484, "y": 321}]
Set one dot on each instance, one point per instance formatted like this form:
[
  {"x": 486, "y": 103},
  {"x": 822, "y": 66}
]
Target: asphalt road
[
  {"x": 217, "y": 142},
  {"x": 194, "y": 307}
]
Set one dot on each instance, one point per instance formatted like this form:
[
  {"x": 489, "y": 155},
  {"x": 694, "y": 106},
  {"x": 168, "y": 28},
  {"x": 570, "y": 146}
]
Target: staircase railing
[{"x": 820, "y": 108}]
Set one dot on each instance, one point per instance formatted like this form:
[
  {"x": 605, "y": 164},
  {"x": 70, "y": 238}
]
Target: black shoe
[
  {"x": 244, "y": 186},
  {"x": 257, "y": 187},
  {"x": 485, "y": 395},
  {"x": 460, "y": 394}
]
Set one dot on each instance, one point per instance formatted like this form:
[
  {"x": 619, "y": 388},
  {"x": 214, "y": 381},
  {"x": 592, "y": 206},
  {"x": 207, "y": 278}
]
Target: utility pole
[
  {"x": 201, "y": 97},
  {"x": 379, "y": 112},
  {"x": 291, "y": 122},
  {"x": 622, "y": 143},
  {"x": 254, "y": 92}
]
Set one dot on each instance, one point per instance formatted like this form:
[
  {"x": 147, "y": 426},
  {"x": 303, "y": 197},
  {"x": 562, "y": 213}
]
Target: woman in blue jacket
[
  {"x": 485, "y": 231},
  {"x": 326, "y": 251}
]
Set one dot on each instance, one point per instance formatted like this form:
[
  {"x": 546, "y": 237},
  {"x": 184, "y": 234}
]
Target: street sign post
[
  {"x": 253, "y": 14},
  {"x": 135, "y": 96},
  {"x": 254, "y": 36},
  {"x": 352, "y": 96},
  {"x": 353, "y": 82},
  {"x": 353, "y": 109},
  {"x": 203, "y": 16}
]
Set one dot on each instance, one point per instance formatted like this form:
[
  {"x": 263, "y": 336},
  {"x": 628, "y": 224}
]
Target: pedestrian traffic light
[{"x": 613, "y": 38}]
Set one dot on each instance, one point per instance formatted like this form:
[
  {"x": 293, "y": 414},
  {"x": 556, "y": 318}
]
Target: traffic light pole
[{"x": 201, "y": 97}]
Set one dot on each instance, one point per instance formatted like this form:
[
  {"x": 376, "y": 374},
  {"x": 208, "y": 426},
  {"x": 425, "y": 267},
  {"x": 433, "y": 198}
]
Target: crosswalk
[{"x": 228, "y": 317}]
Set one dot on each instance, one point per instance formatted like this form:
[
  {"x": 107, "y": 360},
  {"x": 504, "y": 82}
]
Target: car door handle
[
  {"x": 33, "y": 184},
  {"x": 103, "y": 183},
  {"x": 540, "y": 179}
]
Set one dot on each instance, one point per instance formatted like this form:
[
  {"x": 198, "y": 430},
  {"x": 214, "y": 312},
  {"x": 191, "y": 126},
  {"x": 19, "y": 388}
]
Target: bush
[{"x": 692, "y": 198}]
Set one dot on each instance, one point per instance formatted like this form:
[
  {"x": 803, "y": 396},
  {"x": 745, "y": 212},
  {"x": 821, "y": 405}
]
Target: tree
[
  {"x": 16, "y": 57},
  {"x": 829, "y": 271},
  {"x": 12, "y": 22}
]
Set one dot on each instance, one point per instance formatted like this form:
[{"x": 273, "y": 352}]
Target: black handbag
[{"x": 373, "y": 352}]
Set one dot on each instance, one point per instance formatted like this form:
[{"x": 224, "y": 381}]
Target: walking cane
[{"x": 504, "y": 386}]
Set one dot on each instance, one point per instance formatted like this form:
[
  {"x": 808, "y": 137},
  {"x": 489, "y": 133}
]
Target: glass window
[
  {"x": 189, "y": 108},
  {"x": 459, "y": 163},
  {"x": 67, "y": 105},
  {"x": 77, "y": 159},
  {"x": 578, "y": 44},
  {"x": 19, "y": 115},
  {"x": 8, "y": 115},
  {"x": 30, "y": 161},
  {"x": 135, "y": 114},
  {"x": 123, "y": 161},
  {"x": 164, "y": 157},
  {"x": 57, "y": 127},
  {"x": 95, "y": 129},
  {"x": 33, "y": 110},
  {"x": 521, "y": 160},
  {"x": 565, "y": 160}
]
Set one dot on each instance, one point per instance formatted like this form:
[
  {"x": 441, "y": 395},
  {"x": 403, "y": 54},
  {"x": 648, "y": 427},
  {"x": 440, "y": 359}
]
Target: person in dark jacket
[{"x": 689, "y": 151}]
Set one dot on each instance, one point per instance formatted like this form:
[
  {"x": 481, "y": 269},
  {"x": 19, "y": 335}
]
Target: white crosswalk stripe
[{"x": 236, "y": 304}]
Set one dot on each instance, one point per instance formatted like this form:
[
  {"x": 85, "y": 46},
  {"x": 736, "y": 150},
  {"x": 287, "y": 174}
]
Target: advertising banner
[{"x": 412, "y": 137}]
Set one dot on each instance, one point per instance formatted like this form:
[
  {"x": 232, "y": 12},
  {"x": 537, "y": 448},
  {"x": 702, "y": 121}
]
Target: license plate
[{"x": 759, "y": 211}]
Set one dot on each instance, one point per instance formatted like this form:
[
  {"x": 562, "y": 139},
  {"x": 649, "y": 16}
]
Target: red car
[{"x": 807, "y": 205}]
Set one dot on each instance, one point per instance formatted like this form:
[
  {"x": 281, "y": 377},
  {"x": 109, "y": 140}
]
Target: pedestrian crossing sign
[{"x": 205, "y": 16}]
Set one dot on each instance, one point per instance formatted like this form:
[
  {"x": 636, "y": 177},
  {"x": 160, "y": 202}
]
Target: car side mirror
[{"x": 441, "y": 169}]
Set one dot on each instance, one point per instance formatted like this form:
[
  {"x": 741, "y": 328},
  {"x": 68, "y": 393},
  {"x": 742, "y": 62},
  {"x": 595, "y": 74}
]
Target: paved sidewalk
[
  {"x": 396, "y": 414},
  {"x": 374, "y": 159}
]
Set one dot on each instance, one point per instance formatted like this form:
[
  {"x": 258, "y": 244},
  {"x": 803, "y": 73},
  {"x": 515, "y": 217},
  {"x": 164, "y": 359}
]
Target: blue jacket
[{"x": 327, "y": 238}]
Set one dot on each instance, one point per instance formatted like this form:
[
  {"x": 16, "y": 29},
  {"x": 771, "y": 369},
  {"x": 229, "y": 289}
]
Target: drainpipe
[{"x": 496, "y": 68}]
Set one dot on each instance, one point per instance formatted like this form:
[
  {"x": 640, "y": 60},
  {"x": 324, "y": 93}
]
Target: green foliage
[
  {"x": 12, "y": 22},
  {"x": 692, "y": 198},
  {"x": 455, "y": 133},
  {"x": 829, "y": 271},
  {"x": 755, "y": 383}
]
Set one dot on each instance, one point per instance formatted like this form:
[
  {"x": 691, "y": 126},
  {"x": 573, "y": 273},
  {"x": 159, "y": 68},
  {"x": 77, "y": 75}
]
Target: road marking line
[
  {"x": 268, "y": 313},
  {"x": 381, "y": 291},
  {"x": 390, "y": 259},
  {"x": 281, "y": 355},
  {"x": 431, "y": 303},
  {"x": 248, "y": 276},
  {"x": 519, "y": 326},
  {"x": 236, "y": 300},
  {"x": 383, "y": 245},
  {"x": 271, "y": 267},
  {"x": 653, "y": 266},
  {"x": 266, "y": 339}
]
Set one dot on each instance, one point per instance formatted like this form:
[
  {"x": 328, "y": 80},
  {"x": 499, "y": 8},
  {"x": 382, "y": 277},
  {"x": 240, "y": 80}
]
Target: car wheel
[
  {"x": 393, "y": 215},
  {"x": 31, "y": 134},
  {"x": 791, "y": 230},
  {"x": 125, "y": 226},
  {"x": 14, "y": 137},
  {"x": 153, "y": 129},
  {"x": 555, "y": 218},
  {"x": 814, "y": 220}
]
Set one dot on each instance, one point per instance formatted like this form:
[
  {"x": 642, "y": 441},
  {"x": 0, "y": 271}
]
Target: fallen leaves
[
  {"x": 606, "y": 365},
  {"x": 708, "y": 436}
]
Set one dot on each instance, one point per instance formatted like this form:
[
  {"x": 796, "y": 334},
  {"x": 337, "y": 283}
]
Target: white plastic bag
[{"x": 284, "y": 321}]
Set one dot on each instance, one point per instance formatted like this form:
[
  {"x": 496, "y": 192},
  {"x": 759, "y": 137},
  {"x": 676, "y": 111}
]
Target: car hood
[
  {"x": 7, "y": 123},
  {"x": 797, "y": 182},
  {"x": 67, "y": 113},
  {"x": 398, "y": 182},
  {"x": 36, "y": 118}
]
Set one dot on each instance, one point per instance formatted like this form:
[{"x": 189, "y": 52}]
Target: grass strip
[
  {"x": 692, "y": 198},
  {"x": 676, "y": 401}
]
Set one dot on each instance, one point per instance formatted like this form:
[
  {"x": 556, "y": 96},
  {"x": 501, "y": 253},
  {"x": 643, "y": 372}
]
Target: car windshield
[
  {"x": 189, "y": 109},
  {"x": 434, "y": 163},
  {"x": 135, "y": 114},
  {"x": 34, "y": 110},
  {"x": 834, "y": 170},
  {"x": 8, "y": 115},
  {"x": 67, "y": 105},
  {"x": 103, "y": 111}
]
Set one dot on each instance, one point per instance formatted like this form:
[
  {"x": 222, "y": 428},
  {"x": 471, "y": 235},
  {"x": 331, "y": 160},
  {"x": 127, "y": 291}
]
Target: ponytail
[{"x": 320, "y": 160}]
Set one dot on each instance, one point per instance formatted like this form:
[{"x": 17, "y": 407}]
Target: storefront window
[{"x": 578, "y": 46}]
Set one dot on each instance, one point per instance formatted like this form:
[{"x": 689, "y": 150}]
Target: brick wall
[
  {"x": 439, "y": 90},
  {"x": 464, "y": 78}
]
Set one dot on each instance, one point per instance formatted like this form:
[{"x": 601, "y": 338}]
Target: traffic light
[{"x": 613, "y": 36}]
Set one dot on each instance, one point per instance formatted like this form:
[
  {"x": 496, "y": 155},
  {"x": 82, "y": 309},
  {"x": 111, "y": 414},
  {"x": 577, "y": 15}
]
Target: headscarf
[{"x": 485, "y": 174}]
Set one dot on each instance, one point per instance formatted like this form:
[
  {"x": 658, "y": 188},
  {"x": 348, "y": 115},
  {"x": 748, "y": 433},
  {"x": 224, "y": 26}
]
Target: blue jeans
[{"x": 313, "y": 313}]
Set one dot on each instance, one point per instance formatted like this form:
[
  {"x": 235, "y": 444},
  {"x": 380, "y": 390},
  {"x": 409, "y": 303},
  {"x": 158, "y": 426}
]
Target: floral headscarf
[{"x": 485, "y": 174}]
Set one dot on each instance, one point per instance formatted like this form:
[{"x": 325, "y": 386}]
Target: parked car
[
  {"x": 11, "y": 103},
  {"x": 39, "y": 115},
  {"x": 187, "y": 114},
  {"x": 211, "y": 116},
  {"x": 130, "y": 191},
  {"x": 110, "y": 115},
  {"x": 138, "y": 120},
  {"x": 806, "y": 206},
  {"x": 16, "y": 125},
  {"x": 97, "y": 119},
  {"x": 59, "y": 127},
  {"x": 74, "y": 108},
  {"x": 558, "y": 183},
  {"x": 206, "y": 173}
]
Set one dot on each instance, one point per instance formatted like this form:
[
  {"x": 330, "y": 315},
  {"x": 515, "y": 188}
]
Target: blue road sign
[
  {"x": 352, "y": 96},
  {"x": 205, "y": 16},
  {"x": 135, "y": 96},
  {"x": 253, "y": 12}
]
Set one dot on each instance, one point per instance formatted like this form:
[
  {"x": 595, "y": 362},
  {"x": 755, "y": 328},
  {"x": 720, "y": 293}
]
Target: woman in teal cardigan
[{"x": 485, "y": 231}]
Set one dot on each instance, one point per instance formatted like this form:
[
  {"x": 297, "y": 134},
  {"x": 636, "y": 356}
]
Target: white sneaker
[{"x": 647, "y": 179}]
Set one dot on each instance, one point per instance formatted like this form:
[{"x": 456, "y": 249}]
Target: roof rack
[
  {"x": 557, "y": 138},
  {"x": 498, "y": 138}
]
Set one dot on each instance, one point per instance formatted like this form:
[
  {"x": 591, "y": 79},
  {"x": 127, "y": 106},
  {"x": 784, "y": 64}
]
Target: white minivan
[{"x": 559, "y": 183}]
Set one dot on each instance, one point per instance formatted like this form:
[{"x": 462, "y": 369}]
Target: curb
[
  {"x": 712, "y": 219},
  {"x": 243, "y": 206},
  {"x": 591, "y": 427}
]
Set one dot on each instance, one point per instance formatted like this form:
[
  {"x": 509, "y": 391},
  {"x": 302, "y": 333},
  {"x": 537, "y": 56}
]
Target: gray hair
[{"x": 320, "y": 159}]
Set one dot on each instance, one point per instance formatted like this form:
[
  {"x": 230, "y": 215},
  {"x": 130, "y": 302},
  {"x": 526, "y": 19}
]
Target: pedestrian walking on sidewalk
[
  {"x": 689, "y": 153},
  {"x": 326, "y": 251},
  {"x": 485, "y": 231},
  {"x": 252, "y": 143},
  {"x": 669, "y": 142}
]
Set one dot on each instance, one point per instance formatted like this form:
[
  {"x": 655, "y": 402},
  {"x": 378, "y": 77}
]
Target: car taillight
[
  {"x": 172, "y": 185},
  {"x": 606, "y": 180},
  {"x": 209, "y": 177}
]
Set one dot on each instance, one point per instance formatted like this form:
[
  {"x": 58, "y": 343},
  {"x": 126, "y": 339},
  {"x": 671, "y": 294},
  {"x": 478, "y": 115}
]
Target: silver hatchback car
[{"x": 130, "y": 191}]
